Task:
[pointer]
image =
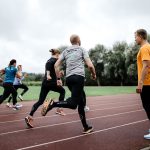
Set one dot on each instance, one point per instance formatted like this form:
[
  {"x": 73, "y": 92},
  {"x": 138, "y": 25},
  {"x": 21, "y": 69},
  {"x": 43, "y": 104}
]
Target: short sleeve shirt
[
  {"x": 10, "y": 73},
  {"x": 74, "y": 58},
  {"x": 143, "y": 54}
]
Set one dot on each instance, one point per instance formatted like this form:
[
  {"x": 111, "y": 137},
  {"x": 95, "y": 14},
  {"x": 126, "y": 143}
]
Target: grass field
[{"x": 34, "y": 91}]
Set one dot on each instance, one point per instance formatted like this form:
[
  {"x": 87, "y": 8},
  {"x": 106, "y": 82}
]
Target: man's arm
[
  {"x": 57, "y": 67},
  {"x": 90, "y": 65},
  {"x": 57, "y": 70},
  {"x": 146, "y": 66}
]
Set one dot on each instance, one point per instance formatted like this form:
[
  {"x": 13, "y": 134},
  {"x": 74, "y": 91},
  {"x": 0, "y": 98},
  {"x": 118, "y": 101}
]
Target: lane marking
[
  {"x": 75, "y": 137},
  {"x": 70, "y": 122},
  {"x": 3, "y": 122}
]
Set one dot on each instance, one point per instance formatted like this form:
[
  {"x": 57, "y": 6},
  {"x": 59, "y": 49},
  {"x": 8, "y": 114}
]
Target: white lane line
[
  {"x": 109, "y": 103},
  {"x": 75, "y": 137},
  {"x": 37, "y": 111},
  {"x": 3, "y": 122},
  {"x": 64, "y": 123}
]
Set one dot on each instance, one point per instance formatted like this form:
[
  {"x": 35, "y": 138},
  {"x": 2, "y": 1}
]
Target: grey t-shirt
[{"x": 74, "y": 57}]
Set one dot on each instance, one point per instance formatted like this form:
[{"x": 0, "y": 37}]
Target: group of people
[
  {"x": 75, "y": 57},
  {"x": 11, "y": 83}
]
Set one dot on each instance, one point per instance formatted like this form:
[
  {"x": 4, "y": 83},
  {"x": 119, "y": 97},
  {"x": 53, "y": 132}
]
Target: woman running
[
  {"x": 50, "y": 83},
  {"x": 18, "y": 84},
  {"x": 10, "y": 73}
]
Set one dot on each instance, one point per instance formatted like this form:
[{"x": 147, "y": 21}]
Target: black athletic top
[{"x": 50, "y": 67}]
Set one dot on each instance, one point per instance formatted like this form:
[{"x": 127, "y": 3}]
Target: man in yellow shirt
[{"x": 143, "y": 64}]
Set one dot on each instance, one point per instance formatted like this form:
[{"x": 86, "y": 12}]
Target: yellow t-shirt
[{"x": 143, "y": 54}]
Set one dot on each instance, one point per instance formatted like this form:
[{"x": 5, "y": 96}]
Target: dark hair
[
  {"x": 54, "y": 51},
  {"x": 12, "y": 62},
  {"x": 142, "y": 33}
]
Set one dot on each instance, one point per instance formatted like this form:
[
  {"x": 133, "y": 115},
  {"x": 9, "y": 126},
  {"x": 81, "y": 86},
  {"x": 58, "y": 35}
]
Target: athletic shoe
[
  {"x": 147, "y": 136},
  {"x": 28, "y": 121},
  {"x": 88, "y": 130},
  {"x": 20, "y": 97},
  {"x": 19, "y": 105},
  {"x": 86, "y": 108},
  {"x": 48, "y": 105},
  {"x": 15, "y": 107},
  {"x": 60, "y": 112},
  {"x": 8, "y": 105}
]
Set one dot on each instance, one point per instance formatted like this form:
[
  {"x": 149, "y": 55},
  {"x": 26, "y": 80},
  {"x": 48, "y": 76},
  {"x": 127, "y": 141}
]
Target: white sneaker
[
  {"x": 20, "y": 97},
  {"x": 8, "y": 105},
  {"x": 15, "y": 107},
  {"x": 86, "y": 108},
  {"x": 18, "y": 105},
  {"x": 147, "y": 136}
]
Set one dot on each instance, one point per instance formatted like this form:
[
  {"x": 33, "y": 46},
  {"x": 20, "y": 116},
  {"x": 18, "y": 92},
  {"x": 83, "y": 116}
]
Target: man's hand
[
  {"x": 93, "y": 76},
  {"x": 139, "y": 87},
  {"x": 59, "y": 83},
  {"x": 49, "y": 77},
  {"x": 61, "y": 73}
]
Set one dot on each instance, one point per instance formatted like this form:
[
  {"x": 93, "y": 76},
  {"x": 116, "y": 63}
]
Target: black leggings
[
  {"x": 21, "y": 86},
  {"x": 75, "y": 84},
  {"x": 9, "y": 89},
  {"x": 145, "y": 97},
  {"x": 45, "y": 88}
]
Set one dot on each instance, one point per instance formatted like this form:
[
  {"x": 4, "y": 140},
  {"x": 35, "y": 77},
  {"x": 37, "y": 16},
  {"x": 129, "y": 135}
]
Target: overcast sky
[{"x": 29, "y": 28}]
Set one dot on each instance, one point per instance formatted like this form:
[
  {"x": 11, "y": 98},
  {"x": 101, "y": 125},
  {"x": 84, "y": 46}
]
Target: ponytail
[
  {"x": 54, "y": 51},
  {"x": 12, "y": 62}
]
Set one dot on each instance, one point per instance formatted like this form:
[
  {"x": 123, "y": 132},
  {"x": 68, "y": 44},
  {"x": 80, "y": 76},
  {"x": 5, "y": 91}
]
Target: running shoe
[
  {"x": 60, "y": 111},
  {"x": 87, "y": 130},
  {"x": 15, "y": 107},
  {"x": 86, "y": 108},
  {"x": 147, "y": 136},
  {"x": 20, "y": 97},
  {"x": 8, "y": 105},
  {"x": 28, "y": 121},
  {"x": 18, "y": 105},
  {"x": 48, "y": 105}
]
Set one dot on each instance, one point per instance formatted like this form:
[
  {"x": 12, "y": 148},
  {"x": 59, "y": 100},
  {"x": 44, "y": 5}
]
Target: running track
[{"x": 119, "y": 124}]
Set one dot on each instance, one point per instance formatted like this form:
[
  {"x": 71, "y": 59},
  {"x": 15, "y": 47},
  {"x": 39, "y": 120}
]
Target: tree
[{"x": 97, "y": 55}]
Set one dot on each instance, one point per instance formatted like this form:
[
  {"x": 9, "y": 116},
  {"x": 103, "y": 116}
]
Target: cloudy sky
[{"x": 29, "y": 28}]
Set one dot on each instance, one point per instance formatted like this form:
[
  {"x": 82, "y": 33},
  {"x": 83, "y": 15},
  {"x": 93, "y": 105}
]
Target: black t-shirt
[{"x": 50, "y": 67}]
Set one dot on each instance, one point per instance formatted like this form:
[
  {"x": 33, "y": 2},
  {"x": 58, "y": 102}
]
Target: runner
[
  {"x": 10, "y": 73},
  {"x": 74, "y": 57},
  {"x": 50, "y": 83},
  {"x": 18, "y": 84},
  {"x": 143, "y": 63}
]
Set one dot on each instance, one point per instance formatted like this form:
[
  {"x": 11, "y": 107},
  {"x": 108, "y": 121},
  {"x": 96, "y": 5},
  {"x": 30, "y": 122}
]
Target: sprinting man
[
  {"x": 18, "y": 84},
  {"x": 74, "y": 57},
  {"x": 10, "y": 73},
  {"x": 50, "y": 83},
  {"x": 143, "y": 64}
]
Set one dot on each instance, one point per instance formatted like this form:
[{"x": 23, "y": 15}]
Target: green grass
[{"x": 34, "y": 91}]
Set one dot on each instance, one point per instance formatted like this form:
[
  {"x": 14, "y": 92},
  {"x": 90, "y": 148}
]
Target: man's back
[{"x": 74, "y": 57}]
